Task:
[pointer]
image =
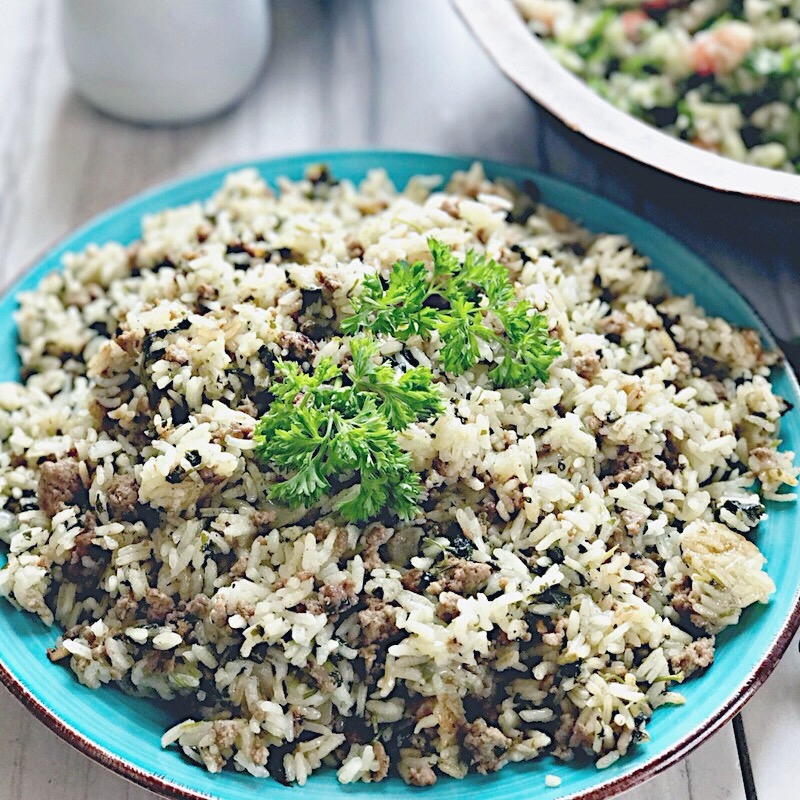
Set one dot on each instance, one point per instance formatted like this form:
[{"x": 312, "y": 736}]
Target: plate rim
[
  {"x": 375, "y": 158},
  {"x": 519, "y": 54}
]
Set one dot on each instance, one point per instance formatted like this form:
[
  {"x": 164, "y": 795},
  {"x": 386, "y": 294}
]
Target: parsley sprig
[
  {"x": 336, "y": 428},
  {"x": 343, "y": 425},
  {"x": 460, "y": 300}
]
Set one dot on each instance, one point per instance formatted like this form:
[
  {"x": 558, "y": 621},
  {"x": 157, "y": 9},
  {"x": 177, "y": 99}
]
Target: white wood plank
[
  {"x": 348, "y": 74},
  {"x": 440, "y": 92},
  {"x": 772, "y": 724},
  {"x": 40, "y": 765},
  {"x": 710, "y": 773}
]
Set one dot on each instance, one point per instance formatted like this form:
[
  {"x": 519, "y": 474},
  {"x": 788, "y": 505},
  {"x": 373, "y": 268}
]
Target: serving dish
[
  {"x": 123, "y": 733},
  {"x": 524, "y": 59}
]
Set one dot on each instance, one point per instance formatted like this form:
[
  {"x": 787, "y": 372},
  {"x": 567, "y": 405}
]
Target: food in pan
[
  {"x": 414, "y": 482},
  {"x": 721, "y": 74}
]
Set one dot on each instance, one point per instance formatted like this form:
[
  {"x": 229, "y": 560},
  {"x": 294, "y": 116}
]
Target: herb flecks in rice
[
  {"x": 721, "y": 74},
  {"x": 577, "y": 543}
]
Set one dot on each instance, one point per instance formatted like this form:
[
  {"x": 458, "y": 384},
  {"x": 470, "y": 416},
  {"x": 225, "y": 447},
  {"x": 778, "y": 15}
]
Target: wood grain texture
[{"x": 348, "y": 73}]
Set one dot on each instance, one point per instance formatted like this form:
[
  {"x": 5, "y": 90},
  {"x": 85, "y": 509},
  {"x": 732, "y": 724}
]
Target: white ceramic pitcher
[{"x": 164, "y": 61}]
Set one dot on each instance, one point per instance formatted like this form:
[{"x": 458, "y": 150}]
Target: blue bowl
[{"x": 123, "y": 733}]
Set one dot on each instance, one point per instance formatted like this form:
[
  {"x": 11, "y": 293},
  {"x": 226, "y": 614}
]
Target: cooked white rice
[{"x": 602, "y": 522}]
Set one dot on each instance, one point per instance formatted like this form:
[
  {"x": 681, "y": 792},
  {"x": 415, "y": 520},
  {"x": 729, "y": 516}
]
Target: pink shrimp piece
[
  {"x": 721, "y": 49},
  {"x": 632, "y": 22}
]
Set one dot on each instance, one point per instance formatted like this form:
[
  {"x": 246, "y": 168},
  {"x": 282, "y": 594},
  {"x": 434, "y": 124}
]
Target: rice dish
[
  {"x": 721, "y": 74},
  {"x": 573, "y": 547}
]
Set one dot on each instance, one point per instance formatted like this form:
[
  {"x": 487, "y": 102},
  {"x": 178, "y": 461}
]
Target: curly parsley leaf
[
  {"x": 344, "y": 426},
  {"x": 459, "y": 329},
  {"x": 398, "y": 309},
  {"x": 529, "y": 351},
  {"x": 454, "y": 298},
  {"x": 402, "y": 400}
]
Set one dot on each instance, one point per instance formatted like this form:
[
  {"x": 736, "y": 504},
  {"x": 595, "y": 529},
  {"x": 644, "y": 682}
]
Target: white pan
[{"x": 505, "y": 36}]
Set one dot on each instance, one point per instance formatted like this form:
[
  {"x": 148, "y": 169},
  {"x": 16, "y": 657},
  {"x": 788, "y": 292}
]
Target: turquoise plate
[{"x": 123, "y": 733}]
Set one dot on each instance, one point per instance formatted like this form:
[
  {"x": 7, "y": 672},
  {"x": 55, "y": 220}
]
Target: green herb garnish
[
  {"x": 344, "y": 425},
  {"x": 464, "y": 302}
]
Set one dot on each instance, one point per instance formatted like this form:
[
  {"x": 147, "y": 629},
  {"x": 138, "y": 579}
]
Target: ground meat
[
  {"x": 158, "y": 605},
  {"x": 752, "y": 343},
  {"x": 587, "y": 366},
  {"x": 422, "y": 775},
  {"x": 59, "y": 485},
  {"x": 616, "y": 323},
  {"x": 681, "y": 590},
  {"x": 661, "y": 475},
  {"x": 322, "y": 678},
  {"x": 262, "y": 519},
  {"x": 581, "y": 736},
  {"x": 450, "y": 206},
  {"x": 225, "y": 732},
  {"x": 682, "y": 361},
  {"x": 301, "y": 576},
  {"x": 313, "y": 606},
  {"x": 158, "y": 661},
  {"x": 420, "y": 707},
  {"x": 439, "y": 466},
  {"x": 562, "y": 736},
  {"x": 374, "y": 538},
  {"x": 695, "y": 656},
  {"x": 129, "y": 341},
  {"x": 593, "y": 424},
  {"x": 219, "y": 611},
  {"x": 383, "y": 762},
  {"x": 634, "y": 522},
  {"x": 554, "y": 638},
  {"x": 86, "y": 560},
  {"x": 462, "y": 576},
  {"x": 259, "y": 755},
  {"x": 176, "y": 355},
  {"x": 631, "y": 474},
  {"x": 327, "y": 280},
  {"x": 447, "y": 608},
  {"x": 335, "y": 595},
  {"x": 628, "y": 467},
  {"x": 322, "y": 527},
  {"x": 299, "y": 347},
  {"x": 670, "y": 453},
  {"x": 413, "y": 580},
  {"x": 205, "y": 291},
  {"x": 635, "y": 393},
  {"x": 370, "y": 655},
  {"x": 210, "y": 477},
  {"x": 377, "y": 622},
  {"x": 125, "y": 606},
  {"x": 762, "y": 459},
  {"x": 354, "y": 248},
  {"x": 239, "y": 567},
  {"x": 241, "y": 430},
  {"x": 57, "y": 653},
  {"x": 340, "y": 544},
  {"x": 247, "y": 406},
  {"x": 486, "y": 745},
  {"x": 321, "y": 530},
  {"x": 123, "y": 495},
  {"x": 649, "y": 569},
  {"x": 198, "y": 606}
]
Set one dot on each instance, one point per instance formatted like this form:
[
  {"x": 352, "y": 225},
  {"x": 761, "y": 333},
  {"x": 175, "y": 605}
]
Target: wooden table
[{"x": 350, "y": 74}]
